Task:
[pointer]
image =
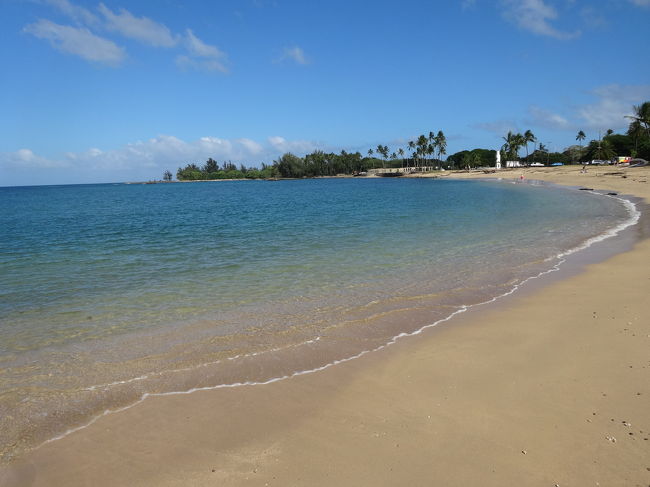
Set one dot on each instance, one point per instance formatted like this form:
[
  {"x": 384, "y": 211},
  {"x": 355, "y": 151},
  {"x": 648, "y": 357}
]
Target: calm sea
[{"x": 109, "y": 293}]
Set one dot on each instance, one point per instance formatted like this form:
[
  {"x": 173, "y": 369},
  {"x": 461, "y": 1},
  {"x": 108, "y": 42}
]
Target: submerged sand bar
[{"x": 549, "y": 386}]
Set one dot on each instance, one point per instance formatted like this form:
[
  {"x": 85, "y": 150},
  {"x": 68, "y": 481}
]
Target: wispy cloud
[
  {"x": 78, "y": 41},
  {"x": 641, "y": 3},
  {"x": 282, "y": 145},
  {"x": 467, "y": 4},
  {"x": 498, "y": 127},
  {"x": 295, "y": 54},
  {"x": 75, "y": 12},
  {"x": 142, "y": 29},
  {"x": 544, "y": 118},
  {"x": 200, "y": 55},
  {"x": 612, "y": 103},
  {"x": 162, "y": 152},
  {"x": 534, "y": 16},
  {"x": 25, "y": 158}
]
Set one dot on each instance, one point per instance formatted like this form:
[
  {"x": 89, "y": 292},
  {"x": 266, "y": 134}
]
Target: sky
[{"x": 123, "y": 90}]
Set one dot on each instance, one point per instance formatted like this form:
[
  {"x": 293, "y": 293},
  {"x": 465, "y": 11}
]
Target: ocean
[{"x": 112, "y": 293}]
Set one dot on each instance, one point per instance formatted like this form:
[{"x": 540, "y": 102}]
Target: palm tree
[
  {"x": 528, "y": 137},
  {"x": 580, "y": 137},
  {"x": 441, "y": 142},
  {"x": 411, "y": 145},
  {"x": 635, "y": 130},
  {"x": 600, "y": 150},
  {"x": 383, "y": 150},
  {"x": 642, "y": 116},
  {"x": 400, "y": 151},
  {"x": 422, "y": 144},
  {"x": 433, "y": 143},
  {"x": 520, "y": 141},
  {"x": 512, "y": 144}
]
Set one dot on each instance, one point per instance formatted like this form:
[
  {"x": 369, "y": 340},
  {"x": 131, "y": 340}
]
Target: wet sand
[{"x": 549, "y": 386}]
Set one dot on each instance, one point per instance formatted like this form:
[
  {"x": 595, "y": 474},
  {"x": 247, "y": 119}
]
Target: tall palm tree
[
  {"x": 528, "y": 137},
  {"x": 411, "y": 145},
  {"x": 441, "y": 142},
  {"x": 400, "y": 151},
  {"x": 433, "y": 143},
  {"x": 422, "y": 144},
  {"x": 512, "y": 144},
  {"x": 383, "y": 150},
  {"x": 580, "y": 137},
  {"x": 520, "y": 141},
  {"x": 635, "y": 130},
  {"x": 642, "y": 116}
]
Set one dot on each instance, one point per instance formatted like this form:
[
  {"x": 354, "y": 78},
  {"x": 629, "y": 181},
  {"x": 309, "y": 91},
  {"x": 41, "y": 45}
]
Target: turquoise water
[{"x": 112, "y": 292}]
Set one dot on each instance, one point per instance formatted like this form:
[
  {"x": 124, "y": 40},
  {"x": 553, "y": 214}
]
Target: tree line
[{"x": 428, "y": 151}]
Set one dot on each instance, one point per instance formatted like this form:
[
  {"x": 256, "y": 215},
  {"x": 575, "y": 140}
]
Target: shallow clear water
[{"x": 109, "y": 292}]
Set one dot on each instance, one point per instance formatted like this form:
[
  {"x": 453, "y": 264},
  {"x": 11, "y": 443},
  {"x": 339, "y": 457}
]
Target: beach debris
[
  {"x": 611, "y": 439},
  {"x": 524, "y": 452},
  {"x": 625, "y": 423}
]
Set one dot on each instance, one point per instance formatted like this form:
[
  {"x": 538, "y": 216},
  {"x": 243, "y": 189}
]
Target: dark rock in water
[
  {"x": 612, "y": 194},
  {"x": 586, "y": 189}
]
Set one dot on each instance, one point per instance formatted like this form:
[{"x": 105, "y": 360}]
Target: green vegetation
[
  {"x": 426, "y": 153},
  {"x": 474, "y": 158},
  {"x": 211, "y": 170}
]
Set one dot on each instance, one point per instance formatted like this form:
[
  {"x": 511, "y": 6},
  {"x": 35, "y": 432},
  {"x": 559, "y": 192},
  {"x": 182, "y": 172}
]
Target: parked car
[
  {"x": 537, "y": 164},
  {"x": 596, "y": 161}
]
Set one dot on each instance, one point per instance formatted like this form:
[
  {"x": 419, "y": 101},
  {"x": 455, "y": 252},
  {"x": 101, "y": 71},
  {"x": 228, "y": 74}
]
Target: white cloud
[
  {"x": 613, "y": 102},
  {"x": 198, "y": 48},
  {"x": 159, "y": 153},
  {"x": 299, "y": 147},
  {"x": 25, "y": 158},
  {"x": 641, "y": 3},
  {"x": 77, "y": 40},
  {"x": 295, "y": 54},
  {"x": 140, "y": 28},
  {"x": 75, "y": 12},
  {"x": 498, "y": 127},
  {"x": 210, "y": 58},
  {"x": 534, "y": 16},
  {"x": 547, "y": 119}
]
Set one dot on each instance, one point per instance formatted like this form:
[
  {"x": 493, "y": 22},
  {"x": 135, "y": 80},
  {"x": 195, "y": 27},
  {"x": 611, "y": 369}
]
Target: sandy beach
[{"x": 549, "y": 386}]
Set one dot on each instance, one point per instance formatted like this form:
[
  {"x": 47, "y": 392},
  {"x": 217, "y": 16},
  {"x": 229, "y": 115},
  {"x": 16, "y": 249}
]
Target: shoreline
[{"x": 148, "y": 430}]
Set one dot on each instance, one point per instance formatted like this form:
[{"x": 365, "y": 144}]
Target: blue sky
[{"x": 122, "y": 90}]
